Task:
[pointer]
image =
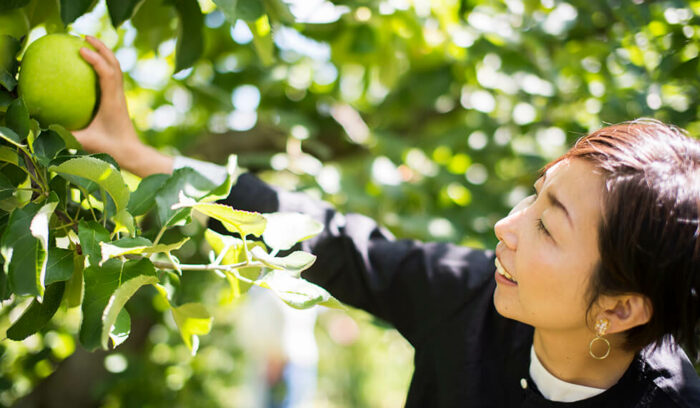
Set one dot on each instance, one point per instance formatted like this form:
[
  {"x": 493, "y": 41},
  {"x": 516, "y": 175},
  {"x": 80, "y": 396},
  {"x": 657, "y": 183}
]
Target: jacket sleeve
[{"x": 414, "y": 286}]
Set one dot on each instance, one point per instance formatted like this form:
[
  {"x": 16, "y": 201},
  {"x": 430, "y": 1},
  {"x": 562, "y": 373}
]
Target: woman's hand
[{"x": 111, "y": 131}]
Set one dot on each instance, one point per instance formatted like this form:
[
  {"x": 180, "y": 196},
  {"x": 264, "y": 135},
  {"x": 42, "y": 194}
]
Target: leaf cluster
[{"x": 72, "y": 237}]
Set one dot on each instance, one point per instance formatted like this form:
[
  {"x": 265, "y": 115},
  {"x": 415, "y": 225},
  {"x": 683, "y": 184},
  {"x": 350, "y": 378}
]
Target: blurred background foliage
[{"x": 432, "y": 117}]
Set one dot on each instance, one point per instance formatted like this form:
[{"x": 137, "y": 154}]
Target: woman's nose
[
  {"x": 506, "y": 228},
  {"x": 505, "y": 231}
]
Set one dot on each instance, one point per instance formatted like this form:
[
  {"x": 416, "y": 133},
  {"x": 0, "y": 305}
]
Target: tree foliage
[{"x": 431, "y": 116}]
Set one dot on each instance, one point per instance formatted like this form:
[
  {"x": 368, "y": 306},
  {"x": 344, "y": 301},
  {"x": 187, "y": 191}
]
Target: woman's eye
[{"x": 541, "y": 227}]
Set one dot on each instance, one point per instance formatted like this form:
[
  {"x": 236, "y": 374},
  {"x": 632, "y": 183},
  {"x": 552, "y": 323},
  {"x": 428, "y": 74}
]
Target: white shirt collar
[{"x": 555, "y": 389}]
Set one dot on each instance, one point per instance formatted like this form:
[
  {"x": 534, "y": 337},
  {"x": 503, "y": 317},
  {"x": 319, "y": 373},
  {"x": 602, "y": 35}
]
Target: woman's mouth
[{"x": 502, "y": 271}]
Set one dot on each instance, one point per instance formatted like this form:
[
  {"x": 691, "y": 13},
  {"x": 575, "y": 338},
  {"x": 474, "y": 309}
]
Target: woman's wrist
[{"x": 144, "y": 160}]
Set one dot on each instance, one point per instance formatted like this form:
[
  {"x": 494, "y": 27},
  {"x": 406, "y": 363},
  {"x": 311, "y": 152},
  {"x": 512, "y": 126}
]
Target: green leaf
[
  {"x": 223, "y": 191},
  {"x": 193, "y": 320},
  {"x": 75, "y": 286},
  {"x": 46, "y": 13},
  {"x": 17, "y": 118},
  {"x": 21, "y": 252},
  {"x": 294, "y": 263},
  {"x": 6, "y": 188},
  {"x": 9, "y": 47},
  {"x": 68, "y": 138},
  {"x": 152, "y": 21},
  {"x": 166, "y": 248},
  {"x": 59, "y": 185},
  {"x": 123, "y": 246},
  {"x": 121, "y": 10},
  {"x": 72, "y": 9},
  {"x": 104, "y": 174},
  {"x": 297, "y": 293},
  {"x": 90, "y": 187},
  {"x": 17, "y": 177},
  {"x": 249, "y": 10},
  {"x": 186, "y": 181},
  {"x": 5, "y": 97},
  {"x": 16, "y": 174},
  {"x": 46, "y": 146},
  {"x": 332, "y": 303},
  {"x": 39, "y": 228},
  {"x": 262, "y": 40},
  {"x": 143, "y": 198},
  {"x": 242, "y": 222},
  {"x": 107, "y": 289},
  {"x": 234, "y": 287},
  {"x": 91, "y": 234},
  {"x": 5, "y": 292},
  {"x": 123, "y": 293},
  {"x": 37, "y": 314},
  {"x": 278, "y": 11},
  {"x": 124, "y": 222},
  {"x": 10, "y": 136},
  {"x": 59, "y": 266},
  {"x": 85, "y": 184},
  {"x": 12, "y": 4},
  {"x": 121, "y": 329},
  {"x": 228, "y": 7},
  {"x": 138, "y": 245},
  {"x": 7, "y": 80},
  {"x": 9, "y": 155},
  {"x": 284, "y": 230},
  {"x": 190, "y": 42}
]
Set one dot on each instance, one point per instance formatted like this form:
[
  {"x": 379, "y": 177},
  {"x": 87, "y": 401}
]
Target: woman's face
[{"x": 548, "y": 244}]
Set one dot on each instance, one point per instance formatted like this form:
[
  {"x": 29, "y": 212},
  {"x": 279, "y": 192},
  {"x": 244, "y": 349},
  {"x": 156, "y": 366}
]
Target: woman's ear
[{"x": 626, "y": 311}]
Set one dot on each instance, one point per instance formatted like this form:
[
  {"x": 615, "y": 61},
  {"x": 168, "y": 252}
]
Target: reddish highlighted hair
[{"x": 649, "y": 235}]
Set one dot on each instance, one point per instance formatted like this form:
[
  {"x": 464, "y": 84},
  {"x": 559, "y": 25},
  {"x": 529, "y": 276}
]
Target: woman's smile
[{"x": 502, "y": 275}]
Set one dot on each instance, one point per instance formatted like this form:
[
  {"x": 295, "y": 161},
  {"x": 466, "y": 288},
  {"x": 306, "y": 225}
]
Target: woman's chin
[{"x": 502, "y": 304}]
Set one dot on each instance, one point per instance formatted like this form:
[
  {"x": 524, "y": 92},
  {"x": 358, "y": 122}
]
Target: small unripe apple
[
  {"x": 56, "y": 83},
  {"x": 14, "y": 23}
]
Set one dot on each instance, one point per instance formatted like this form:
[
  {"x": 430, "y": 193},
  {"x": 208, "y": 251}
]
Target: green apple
[
  {"x": 14, "y": 23},
  {"x": 56, "y": 83}
]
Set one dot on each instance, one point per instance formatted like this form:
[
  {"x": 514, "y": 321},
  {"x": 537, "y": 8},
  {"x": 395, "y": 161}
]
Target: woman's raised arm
[{"x": 111, "y": 130}]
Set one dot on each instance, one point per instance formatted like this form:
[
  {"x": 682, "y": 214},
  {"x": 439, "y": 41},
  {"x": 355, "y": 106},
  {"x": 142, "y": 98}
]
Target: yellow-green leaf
[
  {"x": 294, "y": 263},
  {"x": 137, "y": 245},
  {"x": 193, "y": 320},
  {"x": 100, "y": 172},
  {"x": 242, "y": 222},
  {"x": 117, "y": 301}
]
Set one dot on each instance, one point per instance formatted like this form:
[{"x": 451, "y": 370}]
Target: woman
[{"x": 593, "y": 284}]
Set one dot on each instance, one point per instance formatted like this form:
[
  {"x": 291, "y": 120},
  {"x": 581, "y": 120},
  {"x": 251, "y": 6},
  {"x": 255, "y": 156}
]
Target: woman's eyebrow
[
  {"x": 557, "y": 203},
  {"x": 552, "y": 198}
]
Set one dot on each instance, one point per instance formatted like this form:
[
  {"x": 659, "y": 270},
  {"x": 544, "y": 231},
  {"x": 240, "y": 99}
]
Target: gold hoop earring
[{"x": 601, "y": 327}]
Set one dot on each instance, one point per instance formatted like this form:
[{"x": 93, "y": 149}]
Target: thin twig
[
  {"x": 220, "y": 258},
  {"x": 206, "y": 267},
  {"x": 160, "y": 235},
  {"x": 104, "y": 207},
  {"x": 31, "y": 169},
  {"x": 175, "y": 264},
  {"x": 87, "y": 197}
]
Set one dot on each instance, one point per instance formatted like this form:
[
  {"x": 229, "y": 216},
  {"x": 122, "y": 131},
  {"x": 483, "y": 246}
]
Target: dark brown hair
[{"x": 649, "y": 234}]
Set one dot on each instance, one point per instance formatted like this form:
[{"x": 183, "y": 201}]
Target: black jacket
[{"x": 439, "y": 297}]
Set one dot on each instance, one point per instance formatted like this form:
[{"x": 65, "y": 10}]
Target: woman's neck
[{"x": 565, "y": 355}]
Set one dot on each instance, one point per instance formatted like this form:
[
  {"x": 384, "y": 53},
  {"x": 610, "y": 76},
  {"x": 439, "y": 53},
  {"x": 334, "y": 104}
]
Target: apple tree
[
  {"x": 432, "y": 117},
  {"x": 72, "y": 229}
]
